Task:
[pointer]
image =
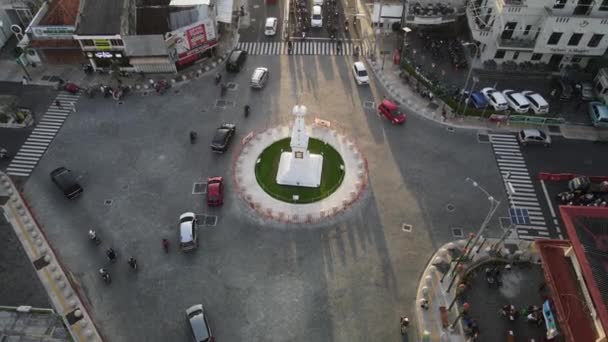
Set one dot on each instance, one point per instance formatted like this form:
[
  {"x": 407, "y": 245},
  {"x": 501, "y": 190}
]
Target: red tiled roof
[
  {"x": 573, "y": 318},
  {"x": 61, "y": 12},
  {"x": 587, "y": 228}
]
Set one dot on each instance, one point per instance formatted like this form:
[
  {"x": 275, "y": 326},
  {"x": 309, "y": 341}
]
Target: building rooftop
[
  {"x": 587, "y": 228},
  {"x": 100, "y": 17},
  {"x": 61, "y": 12},
  {"x": 145, "y": 45},
  {"x": 157, "y": 17}
]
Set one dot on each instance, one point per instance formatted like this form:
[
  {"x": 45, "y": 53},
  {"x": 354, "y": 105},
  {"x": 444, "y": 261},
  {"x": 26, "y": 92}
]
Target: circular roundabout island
[
  {"x": 267, "y": 166},
  {"x": 314, "y": 175}
]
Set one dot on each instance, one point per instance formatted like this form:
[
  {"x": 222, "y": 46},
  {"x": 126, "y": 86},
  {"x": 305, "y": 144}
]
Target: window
[
  {"x": 116, "y": 42},
  {"x": 299, "y": 155},
  {"x": 515, "y": 55},
  {"x": 559, "y": 4},
  {"x": 604, "y": 5},
  {"x": 575, "y": 38},
  {"x": 595, "y": 40},
  {"x": 575, "y": 60},
  {"x": 499, "y": 54},
  {"x": 536, "y": 56},
  {"x": 554, "y": 39},
  {"x": 87, "y": 42},
  {"x": 528, "y": 27}
]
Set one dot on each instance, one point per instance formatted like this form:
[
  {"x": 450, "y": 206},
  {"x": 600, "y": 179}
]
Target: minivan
[
  {"x": 236, "y": 60},
  {"x": 317, "y": 17}
]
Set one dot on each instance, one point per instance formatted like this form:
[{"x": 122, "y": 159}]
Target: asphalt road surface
[{"x": 348, "y": 280}]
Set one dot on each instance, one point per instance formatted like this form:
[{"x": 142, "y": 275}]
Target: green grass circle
[{"x": 267, "y": 167}]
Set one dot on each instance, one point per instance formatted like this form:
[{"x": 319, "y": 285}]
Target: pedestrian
[
  {"x": 57, "y": 103},
  {"x": 444, "y": 114},
  {"x": 553, "y": 93},
  {"x": 24, "y": 80}
]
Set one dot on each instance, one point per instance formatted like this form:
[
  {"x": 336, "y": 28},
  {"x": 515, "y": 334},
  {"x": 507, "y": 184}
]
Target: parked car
[
  {"x": 66, "y": 181},
  {"x": 516, "y": 101},
  {"x": 360, "y": 73},
  {"x": 188, "y": 237},
  {"x": 198, "y": 323},
  {"x": 391, "y": 111},
  {"x": 259, "y": 77},
  {"x": 478, "y": 100},
  {"x": 236, "y": 60},
  {"x": 538, "y": 104},
  {"x": 495, "y": 99},
  {"x": 270, "y": 29},
  {"x": 222, "y": 137},
  {"x": 316, "y": 19},
  {"x": 599, "y": 114},
  {"x": 533, "y": 136},
  {"x": 215, "y": 191},
  {"x": 565, "y": 90}
]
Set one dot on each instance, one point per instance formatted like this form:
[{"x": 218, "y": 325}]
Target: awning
[{"x": 149, "y": 60}]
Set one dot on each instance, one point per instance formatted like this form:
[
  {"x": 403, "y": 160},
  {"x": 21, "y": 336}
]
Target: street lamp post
[
  {"x": 466, "y": 82},
  {"x": 494, "y": 204}
]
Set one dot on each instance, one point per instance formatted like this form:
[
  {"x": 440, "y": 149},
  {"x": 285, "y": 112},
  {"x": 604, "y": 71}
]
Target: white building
[{"x": 557, "y": 32}]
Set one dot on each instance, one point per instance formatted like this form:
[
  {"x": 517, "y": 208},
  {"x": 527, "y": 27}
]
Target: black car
[
  {"x": 66, "y": 181},
  {"x": 222, "y": 138},
  {"x": 236, "y": 60}
]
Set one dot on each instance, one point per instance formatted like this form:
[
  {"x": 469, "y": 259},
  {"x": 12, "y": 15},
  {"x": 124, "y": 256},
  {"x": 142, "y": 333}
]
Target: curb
[{"x": 56, "y": 279}]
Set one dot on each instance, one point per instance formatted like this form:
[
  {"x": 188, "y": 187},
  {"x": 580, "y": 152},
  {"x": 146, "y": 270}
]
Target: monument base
[{"x": 305, "y": 172}]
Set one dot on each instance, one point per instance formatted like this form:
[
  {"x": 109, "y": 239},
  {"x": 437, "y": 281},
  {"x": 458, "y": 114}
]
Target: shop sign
[
  {"x": 102, "y": 44},
  {"x": 61, "y": 32},
  {"x": 104, "y": 54}
]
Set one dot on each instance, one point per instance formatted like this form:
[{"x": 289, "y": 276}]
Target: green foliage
[{"x": 331, "y": 175}]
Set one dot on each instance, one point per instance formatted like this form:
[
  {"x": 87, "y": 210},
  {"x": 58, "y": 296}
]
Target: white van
[{"x": 317, "y": 17}]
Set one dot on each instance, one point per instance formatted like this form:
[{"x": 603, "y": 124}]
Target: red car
[
  {"x": 215, "y": 191},
  {"x": 391, "y": 111}
]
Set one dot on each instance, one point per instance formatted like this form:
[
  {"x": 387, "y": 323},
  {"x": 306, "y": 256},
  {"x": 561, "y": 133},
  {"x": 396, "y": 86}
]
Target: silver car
[
  {"x": 188, "y": 237},
  {"x": 533, "y": 136},
  {"x": 198, "y": 324}
]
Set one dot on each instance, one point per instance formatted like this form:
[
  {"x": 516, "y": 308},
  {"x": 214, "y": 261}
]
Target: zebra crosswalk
[
  {"x": 306, "y": 47},
  {"x": 517, "y": 181},
  {"x": 43, "y": 134}
]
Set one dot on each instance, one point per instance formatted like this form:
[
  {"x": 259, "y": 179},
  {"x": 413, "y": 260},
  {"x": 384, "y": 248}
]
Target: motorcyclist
[
  {"x": 246, "y": 110},
  {"x": 92, "y": 235},
  {"x": 111, "y": 254},
  {"x": 104, "y": 274},
  {"x": 3, "y": 153},
  {"x": 404, "y": 322},
  {"x": 132, "y": 262},
  {"x": 218, "y": 78},
  {"x": 193, "y": 136},
  {"x": 166, "y": 245}
]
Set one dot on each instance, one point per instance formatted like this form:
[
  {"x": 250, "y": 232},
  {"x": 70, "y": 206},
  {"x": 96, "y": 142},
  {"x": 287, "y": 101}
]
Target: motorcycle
[
  {"x": 87, "y": 68},
  {"x": 193, "y": 137},
  {"x": 246, "y": 110},
  {"x": 218, "y": 78},
  {"x": 132, "y": 263},
  {"x": 93, "y": 237},
  {"x": 161, "y": 86},
  {"x": 346, "y": 26},
  {"x": 405, "y": 322},
  {"x": 111, "y": 254},
  {"x": 165, "y": 245},
  {"x": 105, "y": 275},
  {"x": 4, "y": 153},
  {"x": 223, "y": 89}
]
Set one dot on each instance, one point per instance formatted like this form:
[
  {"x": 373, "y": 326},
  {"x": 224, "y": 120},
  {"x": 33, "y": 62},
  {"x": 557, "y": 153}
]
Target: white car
[
  {"x": 188, "y": 237},
  {"x": 316, "y": 19},
  {"x": 538, "y": 103},
  {"x": 360, "y": 73},
  {"x": 533, "y": 136},
  {"x": 270, "y": 29},
  {"x": 516, "y": 101},
  {"x": 495, "y": 98},
  {"x": 259, "y": 77}
]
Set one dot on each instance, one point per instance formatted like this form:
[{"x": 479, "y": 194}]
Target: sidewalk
[
  {"x": 432, "y": 324},
  {"x": 67, "y": 297},
  {"x": 432, "y": 110},
  {"x": 48, "y": 74}
]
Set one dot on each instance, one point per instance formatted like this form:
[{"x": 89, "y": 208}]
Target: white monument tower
[{"x": 299, "y": 167}]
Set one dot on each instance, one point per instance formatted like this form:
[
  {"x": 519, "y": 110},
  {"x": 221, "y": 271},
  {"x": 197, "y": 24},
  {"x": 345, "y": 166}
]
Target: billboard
[{"x": 190, "y": 41}]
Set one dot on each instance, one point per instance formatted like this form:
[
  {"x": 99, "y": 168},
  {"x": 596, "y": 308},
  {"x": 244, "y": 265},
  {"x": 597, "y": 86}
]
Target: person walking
[{"x": 57, "y": 103}]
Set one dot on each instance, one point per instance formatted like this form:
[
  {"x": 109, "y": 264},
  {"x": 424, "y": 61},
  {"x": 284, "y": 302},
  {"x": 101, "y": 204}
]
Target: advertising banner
[{"x": 191, "y": 41}]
